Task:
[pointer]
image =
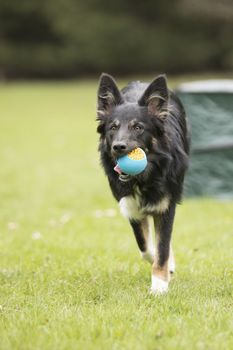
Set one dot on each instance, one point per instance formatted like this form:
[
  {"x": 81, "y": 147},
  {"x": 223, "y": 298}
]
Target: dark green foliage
[{"x": 73, "y": 37}]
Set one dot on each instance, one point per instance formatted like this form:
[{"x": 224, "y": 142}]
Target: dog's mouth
[
  {"x": 125, "y": 177},
  {"x": 122, "y": 176}
]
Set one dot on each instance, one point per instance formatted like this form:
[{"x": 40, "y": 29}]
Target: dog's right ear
[{"x": 109, "y": 95}]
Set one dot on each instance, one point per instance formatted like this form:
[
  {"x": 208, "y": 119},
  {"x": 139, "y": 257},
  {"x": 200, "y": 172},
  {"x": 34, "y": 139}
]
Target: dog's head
[{"x": 125, "y": 125}]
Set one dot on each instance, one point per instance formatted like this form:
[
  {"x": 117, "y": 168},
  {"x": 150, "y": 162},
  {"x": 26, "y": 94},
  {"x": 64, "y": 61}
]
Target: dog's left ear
[
  {"x": 155, "y": 96},
  {"x": 109, "y": 95}
]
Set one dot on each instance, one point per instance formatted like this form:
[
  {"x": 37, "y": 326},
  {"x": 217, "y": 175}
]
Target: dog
[{"x": 149, "y": 116}]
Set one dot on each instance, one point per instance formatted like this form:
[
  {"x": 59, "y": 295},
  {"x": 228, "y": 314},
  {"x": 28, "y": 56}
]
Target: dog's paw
[
  {"x": 158, "y": 286},
  {"x": 148, "y": 256}
]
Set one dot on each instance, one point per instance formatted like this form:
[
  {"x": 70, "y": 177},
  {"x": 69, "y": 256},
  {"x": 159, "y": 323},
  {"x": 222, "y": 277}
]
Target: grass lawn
[{"x": 70, "y": 272}]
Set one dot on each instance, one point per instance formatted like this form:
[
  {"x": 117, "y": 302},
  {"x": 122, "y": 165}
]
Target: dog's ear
[
  {"x": 108, "y": 95},
  {"x": 155, "y": 97}
]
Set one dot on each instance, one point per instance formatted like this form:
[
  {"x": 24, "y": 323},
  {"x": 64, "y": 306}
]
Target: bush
[{"x": 72, "y": 37}]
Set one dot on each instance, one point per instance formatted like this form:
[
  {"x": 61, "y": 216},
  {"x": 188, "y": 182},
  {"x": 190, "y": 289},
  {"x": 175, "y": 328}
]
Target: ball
[{"x": 133, "y": 163}]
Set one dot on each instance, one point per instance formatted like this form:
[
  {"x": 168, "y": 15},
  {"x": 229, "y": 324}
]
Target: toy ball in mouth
[{"x": 132, "y": 163}]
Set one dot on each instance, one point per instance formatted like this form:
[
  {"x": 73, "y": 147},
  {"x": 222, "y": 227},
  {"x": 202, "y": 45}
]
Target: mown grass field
[{"x": 70, "y": 272}]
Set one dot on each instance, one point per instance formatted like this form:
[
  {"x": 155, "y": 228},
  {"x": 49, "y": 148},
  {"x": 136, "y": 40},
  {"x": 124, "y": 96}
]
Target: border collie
[{"x": 151, "y": 117}]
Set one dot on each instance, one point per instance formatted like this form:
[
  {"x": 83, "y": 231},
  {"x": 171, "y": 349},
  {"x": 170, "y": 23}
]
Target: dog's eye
[
  {"x": 138, "y": 127},
  {"x": 113, "y": 127}
]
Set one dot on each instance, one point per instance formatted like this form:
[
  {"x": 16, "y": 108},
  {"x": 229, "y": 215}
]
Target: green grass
[{"x": 70, "y": 272}]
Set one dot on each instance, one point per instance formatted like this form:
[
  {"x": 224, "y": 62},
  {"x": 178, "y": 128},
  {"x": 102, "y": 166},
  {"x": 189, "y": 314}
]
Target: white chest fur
[{"x": 131, "y": 208}]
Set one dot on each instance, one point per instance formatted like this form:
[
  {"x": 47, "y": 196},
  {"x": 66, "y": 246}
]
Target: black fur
[
  {"x": 151, "y": 117},
  {"x": 138, "y": 233}
]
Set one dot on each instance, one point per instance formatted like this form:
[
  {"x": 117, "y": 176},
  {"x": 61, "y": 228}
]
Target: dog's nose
[{"x": 119, "y": 147}]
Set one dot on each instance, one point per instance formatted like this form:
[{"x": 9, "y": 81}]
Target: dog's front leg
[
  {"x": 160, "y": 268},
  {"x": 142, "y": 232}
]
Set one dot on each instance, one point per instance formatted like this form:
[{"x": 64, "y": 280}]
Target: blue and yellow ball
[{"x": 133, "y": 163}]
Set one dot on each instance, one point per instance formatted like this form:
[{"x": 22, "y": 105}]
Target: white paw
[
  {"x": 158, "y": 286},
  {"x": 148, "y": 256}
]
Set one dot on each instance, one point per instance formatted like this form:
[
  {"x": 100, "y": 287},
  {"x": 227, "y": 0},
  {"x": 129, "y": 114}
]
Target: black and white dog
[{"x": 151, "y": 117}]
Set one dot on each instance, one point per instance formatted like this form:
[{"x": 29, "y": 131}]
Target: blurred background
[{"x": 73, "y": 38}]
